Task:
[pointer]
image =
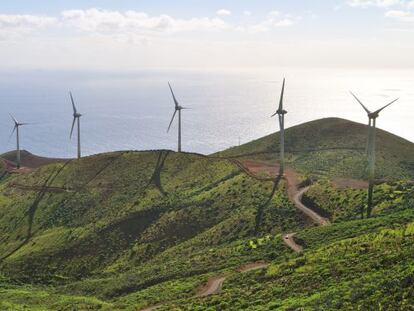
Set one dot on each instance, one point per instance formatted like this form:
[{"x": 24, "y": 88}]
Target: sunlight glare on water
[{"x": 125, "y": 111}]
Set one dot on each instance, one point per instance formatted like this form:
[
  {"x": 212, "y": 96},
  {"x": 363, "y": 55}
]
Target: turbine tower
[
  {"x": 177, "y": 108},
  {"x": 372, "y": 119},
  {"x": 281, "y": 113},
  {"x": 76, "y": 117},
  {"x": 16, "y": 127}
]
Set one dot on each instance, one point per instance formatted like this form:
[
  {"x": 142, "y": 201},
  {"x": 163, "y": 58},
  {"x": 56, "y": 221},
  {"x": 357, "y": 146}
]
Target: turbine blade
[
  {"x": 365, "y": 108},
  {"x": 379, "y": 110},
  {"x": 71, "y": 130},
  {"x": 73, "y": 103},
  {"x": 172, "y": 119},
  {"x": 172, "y": 93},
  {"x": 15, "y": 121},
  {"x": 273, "y": 114},
  {"x": 14, "y": 129},
  {"x": 281, "y": 96}
]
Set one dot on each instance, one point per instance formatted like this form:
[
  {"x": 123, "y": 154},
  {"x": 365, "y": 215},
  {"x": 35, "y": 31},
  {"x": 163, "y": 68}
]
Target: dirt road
[
  {"x": 290, "y": 241},
  {"x": 213, "y": 286},
  {"x": 297, "y": 200}
]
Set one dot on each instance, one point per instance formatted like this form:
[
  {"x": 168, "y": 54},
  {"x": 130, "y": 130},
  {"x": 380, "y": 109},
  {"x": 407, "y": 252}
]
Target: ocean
[{"x": 132, "y": 110}]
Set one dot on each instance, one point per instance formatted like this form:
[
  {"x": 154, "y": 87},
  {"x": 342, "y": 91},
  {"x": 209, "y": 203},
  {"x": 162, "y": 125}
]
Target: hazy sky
[{"x": 130, "y": 35}]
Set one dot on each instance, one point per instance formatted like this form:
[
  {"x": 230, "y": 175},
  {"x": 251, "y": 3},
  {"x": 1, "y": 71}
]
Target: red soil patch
[
  {"x": 11, "y": 167},
  {"x": 261, "y": 167},
  {"x": 29, "y": 162}
]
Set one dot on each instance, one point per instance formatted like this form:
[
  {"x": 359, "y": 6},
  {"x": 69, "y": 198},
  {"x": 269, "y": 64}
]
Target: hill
[
  {"x": 128, "y": 230},
  {"x": 28, "y": 159},
  {"x": 2, "y": 169},
  {"x": 334, "y": 147}
]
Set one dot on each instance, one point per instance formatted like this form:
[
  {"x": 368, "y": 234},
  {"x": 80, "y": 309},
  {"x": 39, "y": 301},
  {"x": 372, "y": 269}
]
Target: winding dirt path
[
  {"x": 290, "y": 242},
  {"x": 265, "y": 171},
  {"x": 315, "y": 217},
  {"x": 212, "y": 287},
  {"x": 258, "y": 169}
]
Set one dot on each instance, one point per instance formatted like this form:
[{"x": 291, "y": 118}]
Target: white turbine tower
[
  {"x": 76, "y": 117},
  {"x": 16, "y": 127},
  {"x": 281, "y": 113},
  {"x": 372, "y": 118},
  {"x": 177, "y": 108}
]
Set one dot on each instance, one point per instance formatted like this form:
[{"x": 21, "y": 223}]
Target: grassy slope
[
  {"x": 28, "y": 159},
  {"x": 335, "y": 147},
  {"x": 358, "y": 265},
  {"x": 103, "y": 229},
  {"x": 2, "y": 168},
  {"x": 112, "y": 233}
]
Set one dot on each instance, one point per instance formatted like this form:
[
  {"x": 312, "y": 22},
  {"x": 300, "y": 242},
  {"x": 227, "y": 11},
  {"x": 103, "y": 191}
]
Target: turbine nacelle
[
  {"x": 281, "y": 112},
  {"x": 373, "y": 115}
]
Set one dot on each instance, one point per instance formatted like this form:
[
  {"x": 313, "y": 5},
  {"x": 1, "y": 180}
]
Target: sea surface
[{"x": 131, "y": 110}]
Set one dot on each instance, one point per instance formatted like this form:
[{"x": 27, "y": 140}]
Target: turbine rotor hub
[{"x": 373, "y": 115}]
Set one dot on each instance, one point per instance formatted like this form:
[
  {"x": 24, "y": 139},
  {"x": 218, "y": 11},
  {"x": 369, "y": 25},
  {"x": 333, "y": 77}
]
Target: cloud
[
  {"x": 247, "y": 13},
  {"x": 398, "y": 10},
  {"x": 404, "y": 16},
  {"x": 132, "y": 26},
  {"x": 223, "y": 12},
  {"x": 17, "y": 25},
  {"x": 274, "y": 19},
  {"x": 376, "y": 3},
  {"x": 25, "y": 21},
  {"x": 407, "y": 4},
  {"x": 105, "y": 21},
  {"x": 274, "y": 14}
]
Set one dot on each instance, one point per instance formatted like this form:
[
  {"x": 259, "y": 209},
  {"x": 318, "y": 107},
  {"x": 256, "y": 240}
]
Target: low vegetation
[
  {"x": 334, "y": 148},
  {"x": 125, "y": 230}
]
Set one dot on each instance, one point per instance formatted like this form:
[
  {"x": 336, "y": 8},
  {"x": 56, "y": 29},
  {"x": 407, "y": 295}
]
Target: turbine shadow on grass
[
  {"x": 156, "y": 176},
  {"x": 46, "y": 185},
  {"x": 33, "y": 207},
  {"x": 260, "y": 209}
]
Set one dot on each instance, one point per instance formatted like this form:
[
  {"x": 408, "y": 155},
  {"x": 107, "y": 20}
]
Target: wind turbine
[
  {"x": 16, "y": 127},
  {"x": 372, "y": 119},
  {"x": 281, "y": 113},
  {"x": 76, "y": 117},
  {"x": 177, "y": 108}
]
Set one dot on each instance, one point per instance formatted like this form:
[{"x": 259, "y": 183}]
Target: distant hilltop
[{"x": 329, "y": 146}]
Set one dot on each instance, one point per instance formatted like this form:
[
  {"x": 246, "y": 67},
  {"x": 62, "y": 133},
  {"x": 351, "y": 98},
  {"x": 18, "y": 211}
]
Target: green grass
[
  {"x": 124, "y": 230},
  {"x": 335, "y": 148},
  {"x": 110, "y": 220},
  {"x": 363, "y": 264},
  {"x": 345, "y": 204}
]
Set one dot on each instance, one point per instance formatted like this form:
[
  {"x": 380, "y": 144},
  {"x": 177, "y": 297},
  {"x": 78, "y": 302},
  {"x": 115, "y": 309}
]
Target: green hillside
[
  {"x": 334, "y": 147},
  {"x": 2, "y": 169},
  {"x": 127, "y": 230}
]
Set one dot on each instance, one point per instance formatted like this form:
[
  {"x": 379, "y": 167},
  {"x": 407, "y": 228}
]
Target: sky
[{"x": 129, "y": 35}]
